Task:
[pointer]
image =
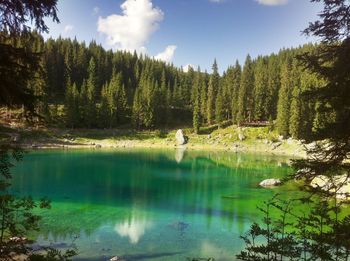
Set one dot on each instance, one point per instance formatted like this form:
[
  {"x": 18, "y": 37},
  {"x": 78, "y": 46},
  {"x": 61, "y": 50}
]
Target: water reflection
[
  {"x": 137, "y": 200},
  {"x": 179, "y": 154},
  {"x": 133, "y": 229}
]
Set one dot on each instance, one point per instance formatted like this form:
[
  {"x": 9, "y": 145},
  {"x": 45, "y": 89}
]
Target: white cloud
[
  {"x": 132, "y": 29},
  {"x": 216, "y": 1},
  {"x": 133, "y": 229},
  {"x": 96, "y": 10},
  {"x": 272, "y": 2},
  {"x": 167, "y": 55},
  {"x": 68, "y": 28},
  {"x": 187, "y": 67}
]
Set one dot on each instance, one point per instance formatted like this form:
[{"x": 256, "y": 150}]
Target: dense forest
[{"x": 106, "y": 89}]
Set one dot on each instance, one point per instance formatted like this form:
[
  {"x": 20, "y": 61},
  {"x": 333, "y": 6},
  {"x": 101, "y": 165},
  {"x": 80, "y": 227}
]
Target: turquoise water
[{"x": 147, "y": 204}]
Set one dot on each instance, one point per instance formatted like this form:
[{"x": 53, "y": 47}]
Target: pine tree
[
  {"x": 261, "y": 90},
  {"x": 137, "y": 109},
  {"x": 83, "y": 103},
  {"x": 245, "y": 95},
  {"x": 196, "y": 119},
  {"x": 72, "y": 105},
  {"x": 236, "y": 83},
  {"x": 104, "y": 112},
  {"x": 212, "y": 93},
  {"x": 219, "y": 107},
  {"x": 284, "y": 99},
  {"x": 91, "y": 95},
  {"x": 203, "y": 98}
]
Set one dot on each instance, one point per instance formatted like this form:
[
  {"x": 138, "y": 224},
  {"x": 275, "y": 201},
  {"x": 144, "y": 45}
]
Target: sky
[{"x": 188, "y": 32}]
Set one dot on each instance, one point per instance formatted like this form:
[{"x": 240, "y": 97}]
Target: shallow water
[{"x": 147, "y": 204}]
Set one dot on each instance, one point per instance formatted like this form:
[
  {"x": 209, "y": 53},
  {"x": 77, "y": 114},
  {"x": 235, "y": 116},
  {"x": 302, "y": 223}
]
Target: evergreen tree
[
  {"x": 212, "y": 93},
  {"x": 245, "y": 97},
  {"x": 91, "y": 95},
  {"x": 284, "y": 99},
  {"x": 235, "y": 83},
  {"x": 219, "y": 109},
  {"x": 104, "y": 112},
  {"x": 196, "y": 102},
  {"x": 261, "y": 90}
]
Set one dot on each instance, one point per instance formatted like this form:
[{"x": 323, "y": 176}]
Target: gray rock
[
  {"x": 180, "y": 137},
  {"x": 98, "y": 146},
  {"x": 270, "y": 182},
  {"x": 276, "y": 145}
]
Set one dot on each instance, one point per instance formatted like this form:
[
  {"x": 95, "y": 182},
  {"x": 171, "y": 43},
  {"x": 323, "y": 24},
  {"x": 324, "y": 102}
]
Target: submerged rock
[
  {"x": 179, "y": 225},
  {"x": 181, "y": 139},
  {"x": 270, "y": 182}
]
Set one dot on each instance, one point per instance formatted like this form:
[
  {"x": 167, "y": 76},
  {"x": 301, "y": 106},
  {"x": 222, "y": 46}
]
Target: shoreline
[
  {"x": 149, "y": 144},
  {"x": 225, "y": 140}
]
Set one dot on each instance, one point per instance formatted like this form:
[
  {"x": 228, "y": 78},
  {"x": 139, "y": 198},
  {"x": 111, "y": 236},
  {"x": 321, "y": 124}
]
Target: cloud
[
  {"x": 272, "y": 2},
  {"x": 187, "y": 67},
  {"x": 96, "y": 10},
  {"x": 133, "y": 229},
  {"x": 68, "y": 28},
  {"x": 132, "y": 29},
  {"x": 167, "y": 55},
  {"x": 216, "y": 1}
]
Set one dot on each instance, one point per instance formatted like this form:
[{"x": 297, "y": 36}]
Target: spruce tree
[
  {"x": 245, "y": 95},
  {"x": 284, "y": 99},
  {"x": 261, "y": 90},
  {"x": 91, "y": 111},
  {"x": 236, "y": 83},
  {"x": 212, "y": 93},
  {"x": 196, "y": 119},
  {"x": 104, "y": 112},
  {"x": 219, "y": 109}
]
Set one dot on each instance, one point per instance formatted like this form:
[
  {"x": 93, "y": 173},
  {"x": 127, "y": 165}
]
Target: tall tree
[
  {"x": 91, "y": 95},
  {"x": 245, "y": 97},
  {"x": 213, "y": 88},
  {"x": 284, "y": 98}
]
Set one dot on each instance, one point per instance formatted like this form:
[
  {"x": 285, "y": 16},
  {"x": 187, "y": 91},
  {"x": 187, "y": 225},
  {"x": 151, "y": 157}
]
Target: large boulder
[
  {"x": 270, "y": 182},
  {"x": 181, "y": 139}
]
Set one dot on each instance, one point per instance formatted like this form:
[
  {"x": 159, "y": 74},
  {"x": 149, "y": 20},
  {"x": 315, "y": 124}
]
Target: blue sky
[{"x": 188, "y": 31}]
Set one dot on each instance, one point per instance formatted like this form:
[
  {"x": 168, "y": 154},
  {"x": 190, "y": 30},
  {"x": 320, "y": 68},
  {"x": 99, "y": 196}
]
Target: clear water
[{"x": 147, "y": 204}]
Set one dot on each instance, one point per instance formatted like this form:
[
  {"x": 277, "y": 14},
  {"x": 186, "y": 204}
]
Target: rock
[
  {"x": 270, "y": 182},
  {"x": 115, "y": 258},
  {"x": 18, "y": 239},
  {"x": 276, "y": 145},
  {"x": 266, "y": 141},
  {"x": 98, "y": 146},
  {"x": 35, "y": 146},
  {"x": 181, "y": 139},
  {"x": 179, "y": 225},
  {"x": 280, "y": 138},
  {"x": 209, "y": 136},
  {"x": 241, "y": 136}
]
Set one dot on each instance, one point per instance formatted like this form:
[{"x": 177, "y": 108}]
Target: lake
[{"x": 147, "y": 204}]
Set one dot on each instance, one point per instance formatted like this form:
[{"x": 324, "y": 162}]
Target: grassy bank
[{"x": 231, "y": 138}]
